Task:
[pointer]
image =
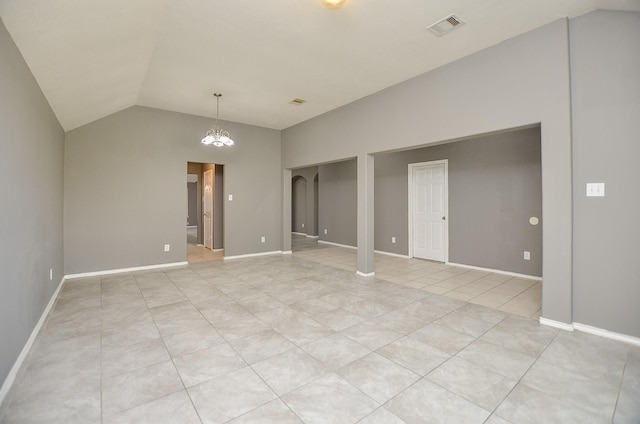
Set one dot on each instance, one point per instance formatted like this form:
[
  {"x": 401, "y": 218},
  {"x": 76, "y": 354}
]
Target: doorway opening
[{"x": 205, "y": 241}]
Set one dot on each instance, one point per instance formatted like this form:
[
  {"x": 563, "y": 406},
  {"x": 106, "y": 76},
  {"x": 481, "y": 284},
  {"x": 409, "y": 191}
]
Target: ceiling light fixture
[
  {"x": 333, "y": 4},
  {"x": 216, "y": 135}
]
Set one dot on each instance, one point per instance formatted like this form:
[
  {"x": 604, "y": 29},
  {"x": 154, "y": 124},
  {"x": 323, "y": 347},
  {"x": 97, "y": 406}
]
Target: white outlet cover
[
  {"x": 230, "y": 197},
  {"x": 167, "y": 247},
  {"x": 595, "y": 189}
]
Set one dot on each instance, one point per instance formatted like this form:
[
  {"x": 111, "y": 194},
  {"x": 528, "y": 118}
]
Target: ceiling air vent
[
  {"x": 446, "y": 25},
  {"x": 297, "y": 102}
]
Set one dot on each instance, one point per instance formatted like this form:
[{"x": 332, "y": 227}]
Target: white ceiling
[{"x": 96, "y": 57}]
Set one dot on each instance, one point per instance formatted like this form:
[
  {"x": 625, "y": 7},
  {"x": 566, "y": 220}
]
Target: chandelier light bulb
[{"x": 333, "y": 4}]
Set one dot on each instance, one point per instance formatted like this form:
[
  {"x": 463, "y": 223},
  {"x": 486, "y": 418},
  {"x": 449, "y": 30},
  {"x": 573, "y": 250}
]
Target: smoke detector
[
  {"x": 297, "y": 102},
  {"x": 446, "y": 25}
]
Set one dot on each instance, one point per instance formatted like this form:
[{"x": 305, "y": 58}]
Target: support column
[
  {"x": 286, "y": 211},
  {"x": 365, "y": 215}
]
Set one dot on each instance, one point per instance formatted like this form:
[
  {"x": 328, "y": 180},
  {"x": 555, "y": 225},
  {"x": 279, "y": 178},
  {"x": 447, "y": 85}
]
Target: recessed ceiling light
[
  {"x": 333, "y": 4},
  {"x": 297, "y": 102},
  {"x": 446, "y": 25}
]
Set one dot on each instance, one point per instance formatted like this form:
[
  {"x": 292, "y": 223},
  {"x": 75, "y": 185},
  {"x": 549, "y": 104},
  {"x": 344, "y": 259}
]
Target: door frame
[
  {"x": 204, "y": 210},
  {"x": 410, "y": 173}
]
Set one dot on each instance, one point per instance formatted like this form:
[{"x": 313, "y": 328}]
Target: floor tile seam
[
  {"x": 457, "y": 310},
  {"x": 615, "y": 408},
  {"x": 519, "y": 381},
  {"x": 460, "y": 395},
  {"x": 184, "y": 386}
]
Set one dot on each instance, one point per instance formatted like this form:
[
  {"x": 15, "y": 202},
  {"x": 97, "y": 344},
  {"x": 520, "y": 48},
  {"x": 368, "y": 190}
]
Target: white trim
[
  {"x": 13, "y": 372},
  {"x": 556, "y": 324},
  {"x": 363, "y": 274},
  {"x": 313, "y": 237},
  {"x": 118, "y": 271},
  {"x": 217, "y": 250},
  {"x": 606, "y": 333},
  {"x": 496, "y": 271},
  {"x": 300, "y": 234},
  {"x": 410, "y": 169},
  {"x": 192, "y": 226},
  {"x": 251, "y": 255},
  {"x": 397, "y": 255},
  {"x": 287, "y": 252},
  {"x": 337, "y": 244}
]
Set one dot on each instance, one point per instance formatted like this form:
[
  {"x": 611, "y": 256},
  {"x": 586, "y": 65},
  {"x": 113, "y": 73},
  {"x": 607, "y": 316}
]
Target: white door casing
[
  {"x": 208, "y": 209},
  {"x": 428, "y": 211}
]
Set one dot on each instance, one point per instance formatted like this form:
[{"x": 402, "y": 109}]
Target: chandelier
[{"x": 216, "y": 135}]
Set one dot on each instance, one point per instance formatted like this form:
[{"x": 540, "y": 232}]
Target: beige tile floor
[
  {"x": 287, "y": 339},
  {"x": 520, "y": 296}
]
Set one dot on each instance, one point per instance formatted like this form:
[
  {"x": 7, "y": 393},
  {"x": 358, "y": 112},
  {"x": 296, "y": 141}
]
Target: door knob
[{"x": 444, "y": 218}]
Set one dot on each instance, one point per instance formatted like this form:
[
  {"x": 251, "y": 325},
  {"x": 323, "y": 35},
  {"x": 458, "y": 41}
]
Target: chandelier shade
[{"x": 217, "y": 136}]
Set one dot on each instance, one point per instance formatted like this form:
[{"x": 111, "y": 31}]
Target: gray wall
[
  {"x": 494, "y": 187},
  {"x": 337, "y": 202},
  {"x": 151, "y": 148},
  {"x": 310, "y": 205},
  {"x": 192, "y": 204},
  {"x": 519, "y": 82},
  {"x": 31, "y": 166},
  {"x": 218, "y": 208},
  {"x": 299, "y": 204},
  {"x": 605, "y": 63}
]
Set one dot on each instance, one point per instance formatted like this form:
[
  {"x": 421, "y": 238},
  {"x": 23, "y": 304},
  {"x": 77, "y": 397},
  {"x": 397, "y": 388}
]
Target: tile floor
[{"x": 301, "y": 339}]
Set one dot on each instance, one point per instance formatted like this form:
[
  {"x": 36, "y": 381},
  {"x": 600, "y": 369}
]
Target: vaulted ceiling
[{"x": 96, "y": 57}]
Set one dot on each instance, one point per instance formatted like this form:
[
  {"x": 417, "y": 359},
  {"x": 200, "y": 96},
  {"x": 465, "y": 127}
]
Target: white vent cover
[{"x": 446, "y": 25}]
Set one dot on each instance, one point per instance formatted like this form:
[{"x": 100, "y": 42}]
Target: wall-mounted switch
[
  {"x": 325, "y": 231},
  {"x": 527, "y": 255},
  {"x": 393, "y": 240},
  {"x": 167, "y": 247},
  {"x": 50, "y": 274},
  {"x": 595, "y": 189}
]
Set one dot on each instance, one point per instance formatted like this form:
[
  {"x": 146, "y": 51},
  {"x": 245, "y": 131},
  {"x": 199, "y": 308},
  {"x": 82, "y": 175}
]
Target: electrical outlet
[
  {"x": 263, "y": 239},
  {"x": 50, "y": 274},
  {"x": 325, "y": 231},
  {"x": 302, "y": 225},
  {"x": 167, "y": 247},
  {"x": 393, "y": 240},
  {"x": 231, "y": 197},
  {"x": 527, "y": 255}
]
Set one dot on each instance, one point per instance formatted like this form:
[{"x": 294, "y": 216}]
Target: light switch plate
[{"x": 595, "y": 189}]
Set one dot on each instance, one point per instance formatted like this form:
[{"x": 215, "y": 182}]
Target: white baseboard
[
  {"x": 299, "y": 234},
  {"x": 287, "y": 252},
  {"x": 11, "y": 377},
  {"x": 337, "y": 244},
  {"x": 606, "y": 333},
  {"x": 591, "y": 330},
  {"x": 313, "y": 237},
  {"x": 121, "y": 270},
  {"x": 363, "y": 274},
  {"x": 252, "y": 255},
  {"x": 556, "y": 324},
  {"x": 397, "y": 255},
  {"x": 217, "y": 250},
  {"x": 496, "y": 271}
]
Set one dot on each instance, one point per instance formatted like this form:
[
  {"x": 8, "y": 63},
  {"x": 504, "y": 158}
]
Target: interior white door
[
  {"x": 429, "y": 204},
  {"x": 208, "y": 209}
]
